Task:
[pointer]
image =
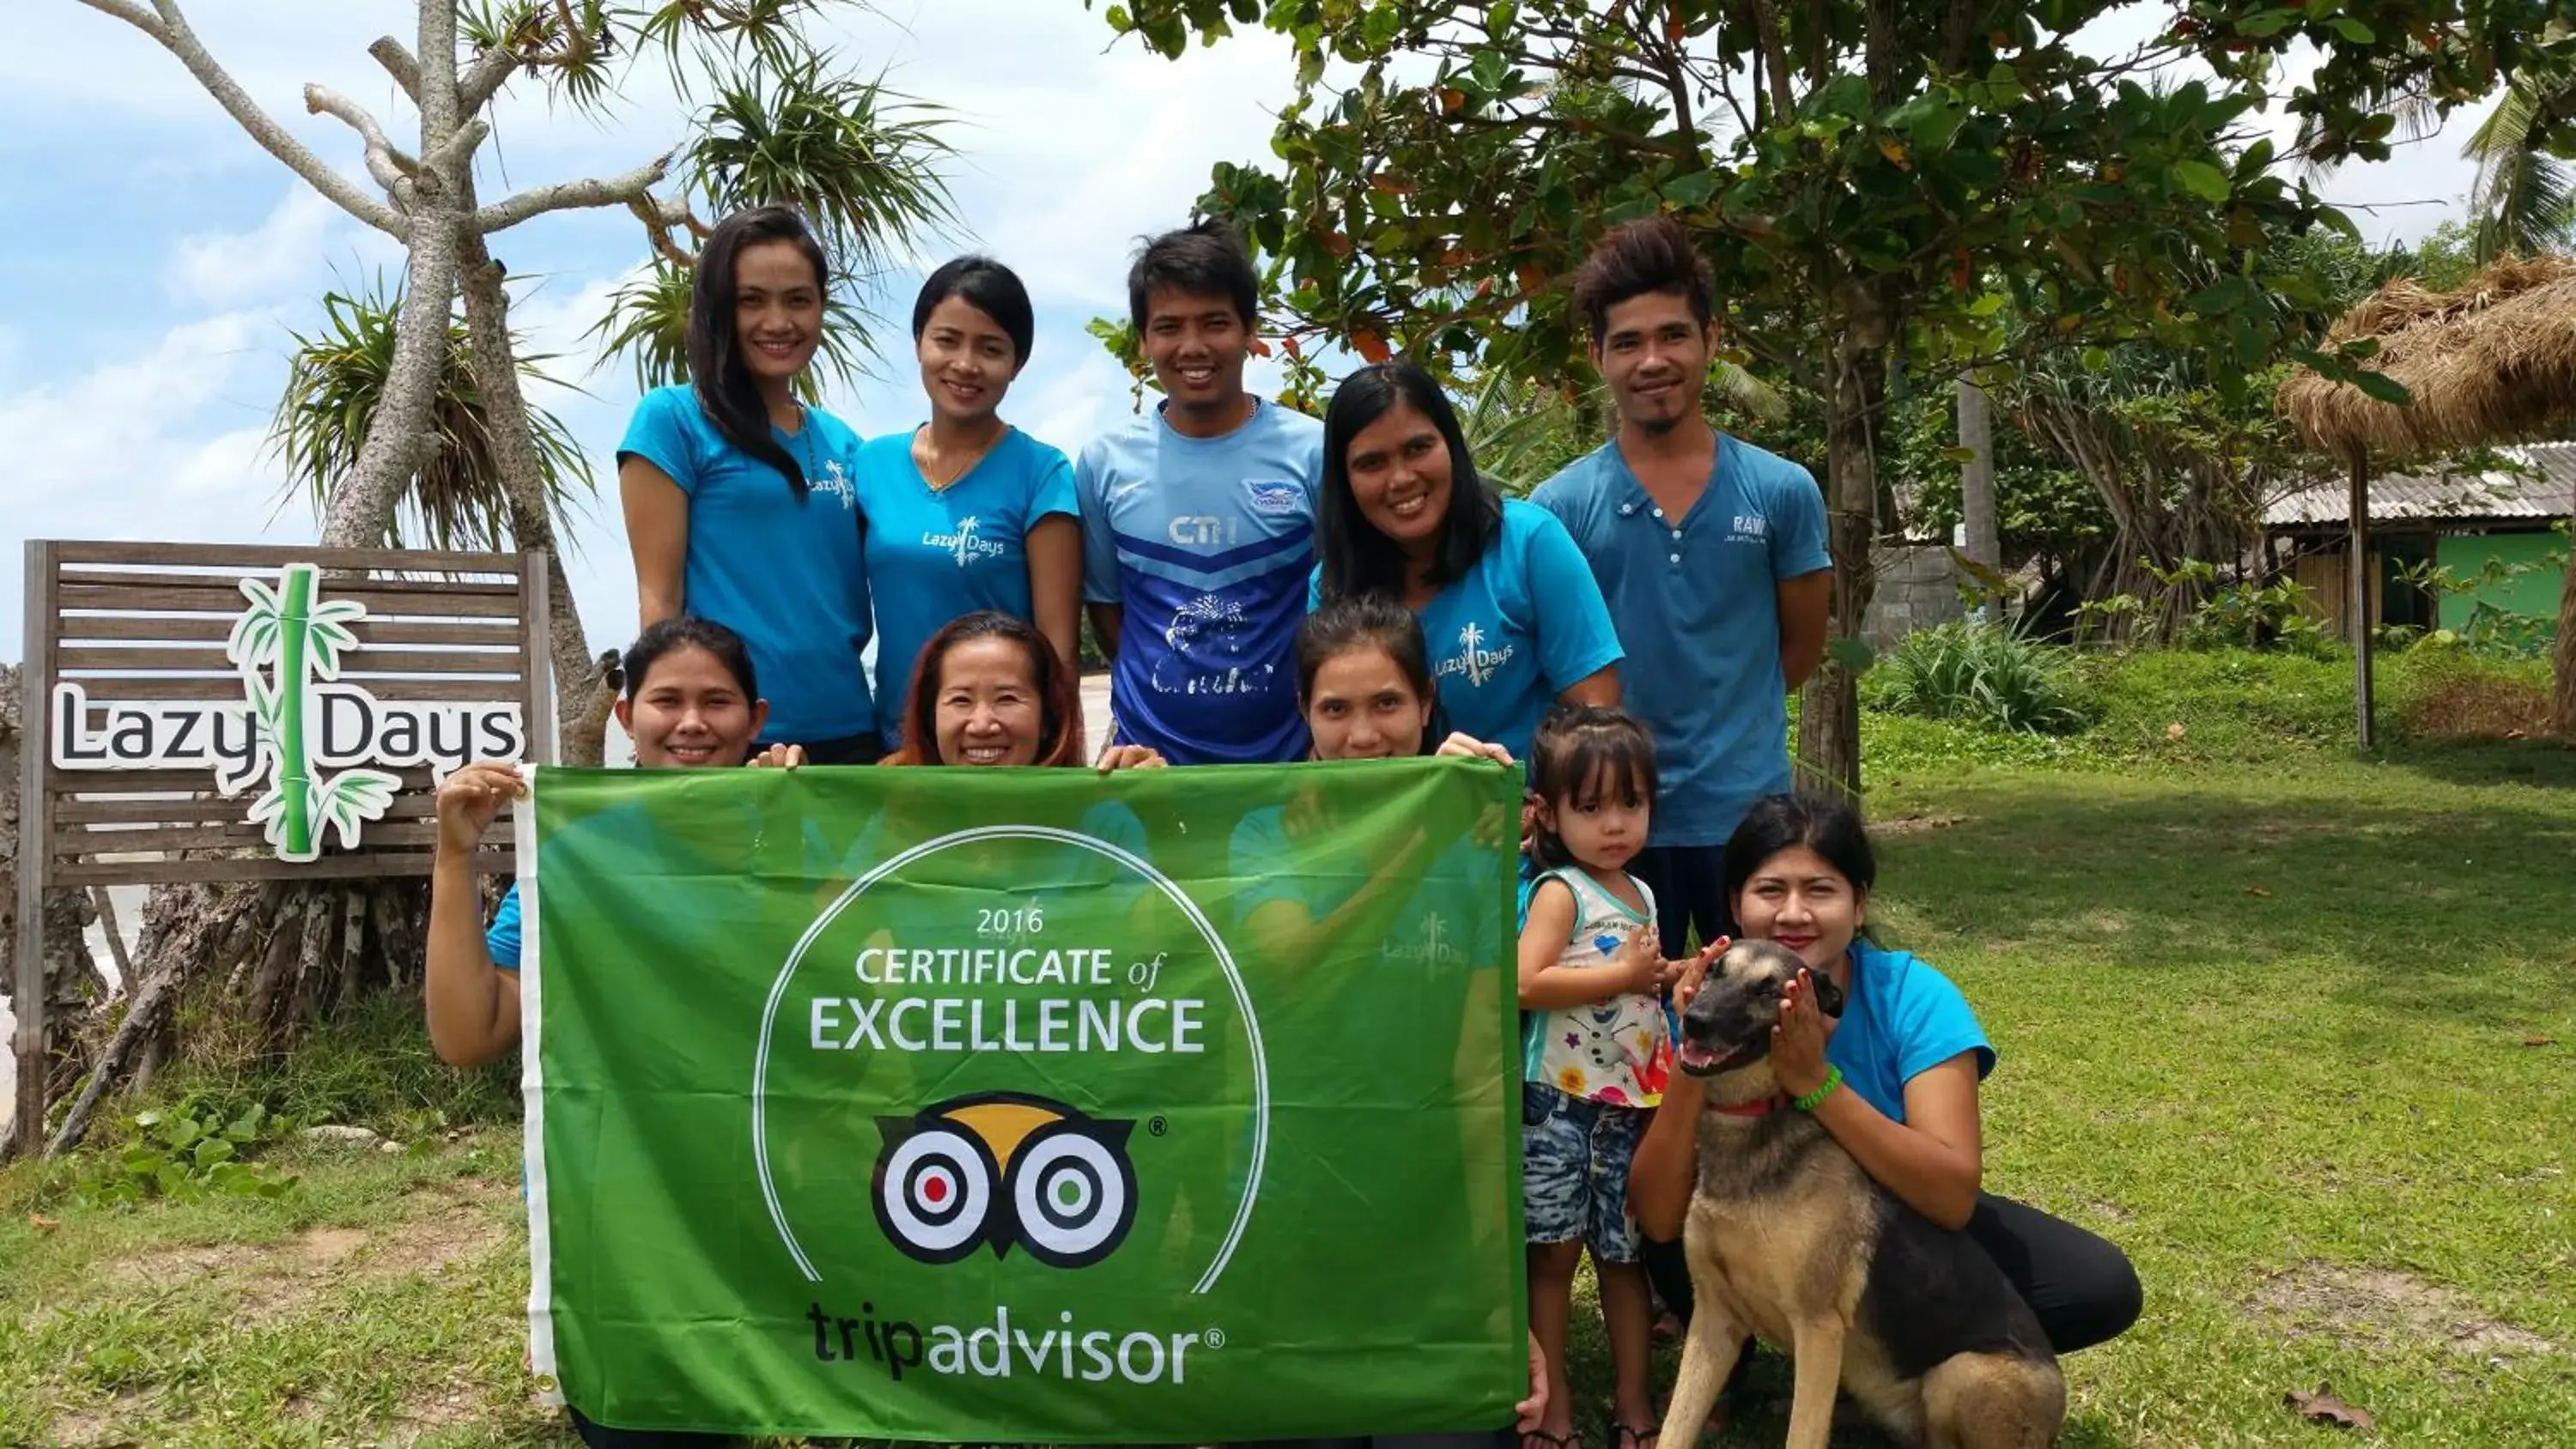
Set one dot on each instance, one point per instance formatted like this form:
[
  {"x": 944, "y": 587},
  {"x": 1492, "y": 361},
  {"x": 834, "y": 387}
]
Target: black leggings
[{"x": 2082, "y": 1287}]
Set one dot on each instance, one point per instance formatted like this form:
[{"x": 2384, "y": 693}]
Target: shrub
[
  {"x": 2278, "y": 615},
  {"x": 192, "y": 1149},
  {"x": 1980, "y": 674}
]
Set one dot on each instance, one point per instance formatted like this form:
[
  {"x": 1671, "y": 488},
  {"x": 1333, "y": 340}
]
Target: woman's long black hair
[
  {"x": 725, "y": 388},
  {"x": 1357, "y": 558}
]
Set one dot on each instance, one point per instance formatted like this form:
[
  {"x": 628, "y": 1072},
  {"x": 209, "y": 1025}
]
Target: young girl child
[{"x": 1596, "y": 1053}]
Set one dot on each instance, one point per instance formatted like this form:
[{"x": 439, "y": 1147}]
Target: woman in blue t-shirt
[
  {"x": 1897, "y": 1073},
  {"x": 739, "y": 499},
  {"x": 966, "y": 512},
  {"x": 692, "y": 699},
  {"x": 1510, "y": 610},
  {"x": 1365, "y": 686}
]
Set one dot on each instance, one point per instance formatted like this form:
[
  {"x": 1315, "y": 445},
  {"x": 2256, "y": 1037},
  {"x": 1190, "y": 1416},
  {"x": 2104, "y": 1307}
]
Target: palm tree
[
  {"x": 335, "y": 384},
  {"x": 2525, "y": 197}
]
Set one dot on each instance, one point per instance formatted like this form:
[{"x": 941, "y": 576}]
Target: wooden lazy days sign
[{"x": 229, "y": 713}]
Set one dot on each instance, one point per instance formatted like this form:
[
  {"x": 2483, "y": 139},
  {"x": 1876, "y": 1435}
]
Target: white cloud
[
  {"x": 161, "y": 445},
  {"x": 227, "y": 269}
]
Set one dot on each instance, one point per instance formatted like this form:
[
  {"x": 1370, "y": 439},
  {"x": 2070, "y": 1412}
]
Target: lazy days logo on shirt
[
  {"x": 833, "y": 481},
  {"x": 1471, "y": 660},
  {"x": 964, "y": 543}
]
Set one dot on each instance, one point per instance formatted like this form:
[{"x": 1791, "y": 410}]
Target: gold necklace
[{"x": 942, "y": 485}]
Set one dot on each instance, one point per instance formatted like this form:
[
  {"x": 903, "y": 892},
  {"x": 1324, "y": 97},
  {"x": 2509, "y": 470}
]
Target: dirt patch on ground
[
  {"x": 1914, "y": 824},
  {"x": 99, "y": 1428},
  {"x": 445, "y": 1223},
  {"x": 2385, "y": 1308}
]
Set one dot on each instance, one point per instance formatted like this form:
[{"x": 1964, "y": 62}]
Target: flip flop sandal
[
  {"x": 1540, "y": 1439},
  {"x": 1623, "y": 1437}
]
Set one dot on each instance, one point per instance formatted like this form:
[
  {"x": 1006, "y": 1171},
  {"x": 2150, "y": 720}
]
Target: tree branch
[
  {"x": 132, "y": 14},
  {"x": 631, "y": 187},
  {"x": 398, "y": 63},
  {"x": 478, "y": 86},
  {"x": 170, "y": 28},
  {"x": 493, "y": 68},
  {"x": 456, "y": 148},
  {"x": 1775, "y": 60},
  {"x": 391, "y": 168}
]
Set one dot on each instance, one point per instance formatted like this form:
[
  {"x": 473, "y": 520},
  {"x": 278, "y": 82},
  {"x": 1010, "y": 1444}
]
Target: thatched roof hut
[{"x": 2490, "y": 362}]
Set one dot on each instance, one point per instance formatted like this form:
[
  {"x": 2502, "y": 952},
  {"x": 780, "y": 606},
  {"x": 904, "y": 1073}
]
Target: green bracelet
[{"x": 1816, "y": 1098}]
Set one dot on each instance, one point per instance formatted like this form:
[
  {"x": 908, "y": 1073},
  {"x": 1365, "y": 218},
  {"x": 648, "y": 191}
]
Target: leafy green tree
[{"x": 1860, "y": 171}]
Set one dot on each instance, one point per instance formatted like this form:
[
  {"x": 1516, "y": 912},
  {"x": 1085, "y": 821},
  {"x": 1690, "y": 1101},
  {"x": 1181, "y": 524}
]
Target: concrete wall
[{"x": 1917, "y": 588}]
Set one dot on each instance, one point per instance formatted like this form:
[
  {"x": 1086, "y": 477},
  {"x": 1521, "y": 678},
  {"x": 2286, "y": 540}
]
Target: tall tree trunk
[
  {"x": 581, "y": 685},
  {"x": 1984, "y": 543},
  {"x": 1829, "y": 707},
  {"x": 362, "y": 507}
]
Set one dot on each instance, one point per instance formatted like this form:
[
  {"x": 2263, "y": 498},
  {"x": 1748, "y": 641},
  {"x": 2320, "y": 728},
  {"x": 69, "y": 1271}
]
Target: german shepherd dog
[{"x": 1787, "y": 1238}]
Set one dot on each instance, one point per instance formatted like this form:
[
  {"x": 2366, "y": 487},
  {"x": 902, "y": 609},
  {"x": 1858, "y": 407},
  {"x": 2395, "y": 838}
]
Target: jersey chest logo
[{"x": 1276, "y": 496}]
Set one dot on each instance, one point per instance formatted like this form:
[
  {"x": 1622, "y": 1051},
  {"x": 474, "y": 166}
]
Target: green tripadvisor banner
[{"x": 1025, "y": 1105}]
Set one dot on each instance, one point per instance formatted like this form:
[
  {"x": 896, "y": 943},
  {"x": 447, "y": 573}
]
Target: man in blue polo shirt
[
  {"x": 1711, "y": 555},
  {"x": 1198, "y": 522}
]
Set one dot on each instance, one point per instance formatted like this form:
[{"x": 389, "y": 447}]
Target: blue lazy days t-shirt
[
  {"x": 1697, "y": 605},
  {"x": 1206, "y": 543},
  {"x": 502, "y": 937},
  {"x": 1901, "y": 1018},
  {"x": 935, "y": 555},
  {"x": 783, "y": 572},
  {"x": 1499, "y": 656}
]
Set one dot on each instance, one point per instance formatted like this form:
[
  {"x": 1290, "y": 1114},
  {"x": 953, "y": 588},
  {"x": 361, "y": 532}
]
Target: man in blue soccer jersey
[
  {"x": 1711, "y": 555},
  {"x": 1198, "y": 522}
]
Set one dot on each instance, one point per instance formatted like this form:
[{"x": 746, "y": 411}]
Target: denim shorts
[{"x": 1574, "y": 1170}]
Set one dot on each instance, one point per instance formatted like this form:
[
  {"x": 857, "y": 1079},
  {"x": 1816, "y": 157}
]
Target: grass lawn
[{"x": 2299, "y": 1037}]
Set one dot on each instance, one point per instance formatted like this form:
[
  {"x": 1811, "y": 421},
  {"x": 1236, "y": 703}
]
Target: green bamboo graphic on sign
[{"x": 299, "y": 641}]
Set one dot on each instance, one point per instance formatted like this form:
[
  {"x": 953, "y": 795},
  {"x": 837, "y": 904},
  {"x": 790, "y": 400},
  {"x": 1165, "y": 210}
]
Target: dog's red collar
[{"x": 1762, "y": 1108}]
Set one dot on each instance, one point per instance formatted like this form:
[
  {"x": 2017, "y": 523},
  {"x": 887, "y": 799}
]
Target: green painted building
[{"x": 2463, "y": 521}]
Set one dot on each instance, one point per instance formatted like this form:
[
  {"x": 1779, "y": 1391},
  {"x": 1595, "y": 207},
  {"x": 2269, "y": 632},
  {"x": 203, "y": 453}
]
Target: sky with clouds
[{"x": 157, "y": 261}]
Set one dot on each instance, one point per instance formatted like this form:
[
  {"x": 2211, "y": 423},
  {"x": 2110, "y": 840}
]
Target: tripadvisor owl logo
[{"x": 1005, "y": 1169}]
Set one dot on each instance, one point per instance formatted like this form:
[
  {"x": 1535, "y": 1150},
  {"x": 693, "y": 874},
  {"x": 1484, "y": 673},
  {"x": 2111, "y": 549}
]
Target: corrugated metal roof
[{"x": 2548, "y": 492}]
